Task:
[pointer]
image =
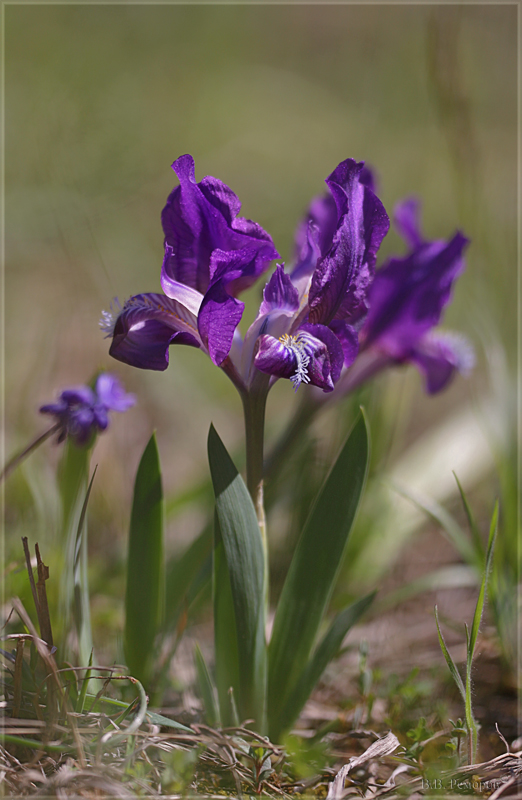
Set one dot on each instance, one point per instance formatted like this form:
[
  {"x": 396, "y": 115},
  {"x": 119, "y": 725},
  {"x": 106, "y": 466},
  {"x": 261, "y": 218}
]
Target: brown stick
[
  {"x": 44, "y": 618},
  {"x": 30, "y": 573}
]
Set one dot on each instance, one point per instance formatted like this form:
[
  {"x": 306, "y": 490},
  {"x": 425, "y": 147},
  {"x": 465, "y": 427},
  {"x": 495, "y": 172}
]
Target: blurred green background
[{"x": 99, "y": 102}]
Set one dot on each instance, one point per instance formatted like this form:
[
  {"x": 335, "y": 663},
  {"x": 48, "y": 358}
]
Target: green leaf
[
  {"x": 159, "y": 719},
  {"x": 181, "y": 572},
  {"x": 81, "y": 598},
  {"x": 144, "y": 594},
  {"x": 449, "y": 661},
  {"x": 238, "y": 533},
  {"x": 72, "y": 482},
  {"x": 73, "y": 603},
  {"x": 314, "y": 569},
  {"x": 206, "y": 688},
  {"x": 326, "y": 650},
  {"x": 225, "y": 632},
  {"x": 475, "y": 533},
  {"x": 477, "y": 617}
]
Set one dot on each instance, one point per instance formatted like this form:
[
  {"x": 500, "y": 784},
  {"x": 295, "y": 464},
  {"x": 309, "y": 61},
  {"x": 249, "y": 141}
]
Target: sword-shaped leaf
[
  {"x": 314, "y": 569},
  {"x": 240, "y": 539},
  {"x": 326, "y": 650},
  {"x": 144, "y": 594}
]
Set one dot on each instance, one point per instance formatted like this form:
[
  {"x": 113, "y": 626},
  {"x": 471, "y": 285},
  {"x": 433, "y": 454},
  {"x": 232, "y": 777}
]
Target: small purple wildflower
[{"x": 81, "y": 411}]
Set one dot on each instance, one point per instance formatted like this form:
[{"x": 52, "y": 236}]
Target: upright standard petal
[
  {"x": 408, "y": 296},
  {"x": 342, "y": 275},
  {"x": 276, "y": 315},
  {"x": 200, "y": 217},
  {"x": 149, "y": 323}
]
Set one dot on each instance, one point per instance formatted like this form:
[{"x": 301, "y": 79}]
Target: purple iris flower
[
  {"x": 336, "y": 249},
  {"x": 211, "y": 255},
  {"x": 306, "y": 328},
  {"x": 407, "y": 299},
  {"x": 81, "y": 411}
]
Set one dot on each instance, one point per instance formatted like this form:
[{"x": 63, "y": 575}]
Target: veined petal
[
  {"x": 279, "y": 294},
  {"x": 218, "y": 319},
  {"x": 362, "y": 225},
  {"x": 439, "y": 355},
  {"x": 147, "y": 325},
  {"x": 276, "y": 314},
  {"x": 327, "y": 363},
  {"x": 200, "y": 217},
  {"x": 313, "y": 355}
]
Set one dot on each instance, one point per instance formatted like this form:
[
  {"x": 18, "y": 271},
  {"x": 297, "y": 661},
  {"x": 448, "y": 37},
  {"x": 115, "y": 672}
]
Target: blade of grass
[
  {"x": 206, "y": 688},
  {"x": 181, "y": 572},
  {"x": 479, "y": 609},
  {"x": 314, "y": 568},
  {"x": 471, "y": 637},
  {"x": 81, "y": 604},
  {"x": 85, "y": 685},
  {"x": 473, "y": 527},
  {"x": 73, "y": 483},
  {"x": 225, "y": 631},
  {"x": 243, "y": 551},
  {"x": 449, "y": 661},
  {"x": 449, "y": 525},
  {"x": 144, "y": 595}
]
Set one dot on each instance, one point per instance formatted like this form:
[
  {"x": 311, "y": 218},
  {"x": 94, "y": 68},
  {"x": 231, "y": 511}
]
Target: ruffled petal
[
  {"x": 408, "y": 295},
  {"x": 147, "y": 325},
  {"x": 200, "y": 217},
  {"x": 345, "y": 269}
]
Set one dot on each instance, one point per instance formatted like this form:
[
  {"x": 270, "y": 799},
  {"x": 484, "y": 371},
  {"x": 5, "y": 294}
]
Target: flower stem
[{"x": 254, "y": 405}]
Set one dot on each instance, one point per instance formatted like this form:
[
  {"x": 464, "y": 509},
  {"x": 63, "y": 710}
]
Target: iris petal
[
  {"x": 147, "y": 325},
  {"x": 439, "y": 356},
  {"x": 408, "y": 295},
  {"x": 362, "y": 224},
  {"x": 312, "y": 355},
  {"x": 200, "y": 217}
]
